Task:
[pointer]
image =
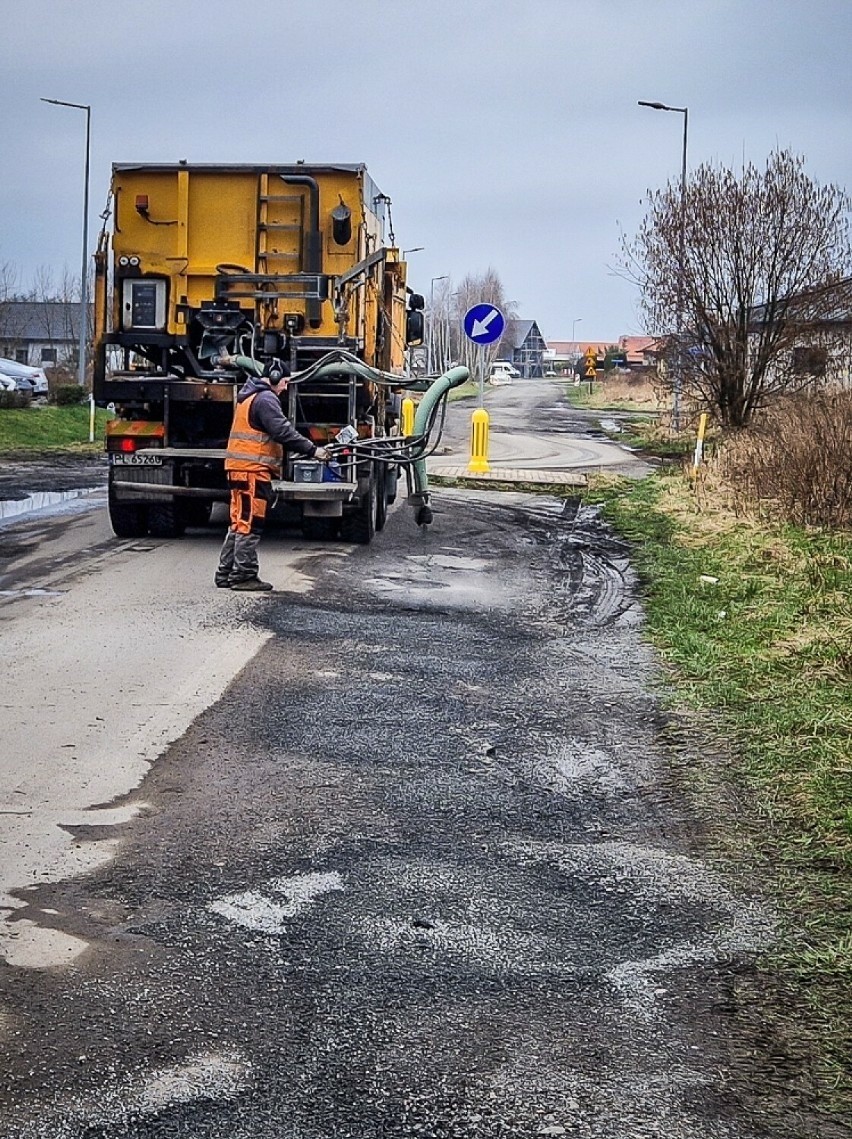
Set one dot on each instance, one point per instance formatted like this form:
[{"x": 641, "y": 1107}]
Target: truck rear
[{"x": 211, "y": 272}]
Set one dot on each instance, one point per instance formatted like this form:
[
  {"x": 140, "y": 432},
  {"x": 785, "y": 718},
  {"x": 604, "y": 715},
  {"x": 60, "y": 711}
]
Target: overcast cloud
[{"x": 506, "y": 134}]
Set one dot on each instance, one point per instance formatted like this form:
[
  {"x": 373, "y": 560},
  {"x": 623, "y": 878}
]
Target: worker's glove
[{"x": 322, "y": 454}]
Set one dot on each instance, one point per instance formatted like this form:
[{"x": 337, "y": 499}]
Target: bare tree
[
  {"x": 472, "y": 290},
  {"x": 749, "y": 267},
  {"x": 9, "y": 313},
  {"x": 443, "y": 317}
]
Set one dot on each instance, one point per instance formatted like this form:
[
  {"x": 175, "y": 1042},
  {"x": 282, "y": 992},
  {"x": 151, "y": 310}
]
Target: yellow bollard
[
  {"x": 408, "y": 416},
  {"x": 699, "y": 445},
  {"x": 478, "y": 464}
]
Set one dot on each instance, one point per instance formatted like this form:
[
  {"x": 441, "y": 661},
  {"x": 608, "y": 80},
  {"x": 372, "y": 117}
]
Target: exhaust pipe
[{"x": 312, "y": 250}]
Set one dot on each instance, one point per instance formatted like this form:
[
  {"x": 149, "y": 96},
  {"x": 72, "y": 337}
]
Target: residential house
[
  {"x": 634, "y": 349},
  {"x": 43, "y": 334},
  {"x": 527, "y": 346},
  {"x": 561, "y": 355},
  {"x": 824, "y": 349}
]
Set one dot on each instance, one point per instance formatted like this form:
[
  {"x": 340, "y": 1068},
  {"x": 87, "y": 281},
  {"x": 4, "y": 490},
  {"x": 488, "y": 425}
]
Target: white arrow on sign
[{"x": 480, "y": 327}]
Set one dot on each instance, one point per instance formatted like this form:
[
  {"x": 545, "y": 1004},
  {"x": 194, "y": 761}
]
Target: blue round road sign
[{"x": 483, "y": 324}]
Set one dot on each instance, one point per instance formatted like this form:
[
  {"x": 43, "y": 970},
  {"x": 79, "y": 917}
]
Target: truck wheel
[
  {"x": 360, "y": 525},
  {"x": 391, "y": 483},
  {"x": 381, "y": 496},
  {"x": 127, "y": 521},
  {"x": 166, "y": 520}
]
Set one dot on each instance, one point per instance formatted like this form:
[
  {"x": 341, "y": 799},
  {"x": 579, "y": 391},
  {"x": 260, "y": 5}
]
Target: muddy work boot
[{"x": 251, "y": 585}]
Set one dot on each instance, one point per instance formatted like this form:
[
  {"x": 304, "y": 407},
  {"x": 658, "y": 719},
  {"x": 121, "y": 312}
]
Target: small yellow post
[
  {"x": 699, "y": 444},
  {"x": 478, "y": 464},
  {"x": 408, "y": 416}
]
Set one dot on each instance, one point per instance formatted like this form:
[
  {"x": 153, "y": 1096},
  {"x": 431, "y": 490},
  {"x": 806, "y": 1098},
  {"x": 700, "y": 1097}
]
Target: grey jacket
[{"x": 265, "y": 414}]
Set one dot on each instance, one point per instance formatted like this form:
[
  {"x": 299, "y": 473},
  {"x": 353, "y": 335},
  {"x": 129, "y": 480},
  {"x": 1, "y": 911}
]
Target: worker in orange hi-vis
[{"x": 259, "y": 436}]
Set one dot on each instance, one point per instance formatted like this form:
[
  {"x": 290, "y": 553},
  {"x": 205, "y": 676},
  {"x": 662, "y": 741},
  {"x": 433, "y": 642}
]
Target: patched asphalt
[{"x": 425, "y": 870}]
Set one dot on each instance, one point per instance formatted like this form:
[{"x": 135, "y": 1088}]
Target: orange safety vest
[{"x": 249, "y": 450}]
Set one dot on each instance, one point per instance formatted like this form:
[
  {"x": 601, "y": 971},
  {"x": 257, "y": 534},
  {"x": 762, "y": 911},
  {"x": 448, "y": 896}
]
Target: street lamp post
[
  {"x": 84, "y": 276},
  {"x": 681, "y": 253},
  {"x": 430, "y": 340},
  {"x": 574, "y": 329}
]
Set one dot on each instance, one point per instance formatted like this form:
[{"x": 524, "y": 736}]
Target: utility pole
[
  {"x": 84, "y": 276},
  {"x": 430, "y": 338},
  {"x": 678, "y": 379}
]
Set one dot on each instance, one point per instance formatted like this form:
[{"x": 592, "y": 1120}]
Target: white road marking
[{"x": 267, "y": 910}]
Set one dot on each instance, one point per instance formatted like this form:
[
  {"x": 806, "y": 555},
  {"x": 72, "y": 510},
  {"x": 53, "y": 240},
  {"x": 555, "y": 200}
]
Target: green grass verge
[
  {"x": 644, "y": 435},
  {"x": 753, "y": 622},
  {"x": 50, "y": 429},
  {"x": 464, "y": 391},
  {"x": 642, "y": 431}
]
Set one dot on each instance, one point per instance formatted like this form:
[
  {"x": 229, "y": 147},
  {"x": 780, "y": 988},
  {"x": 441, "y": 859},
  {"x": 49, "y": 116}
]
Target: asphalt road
[
  {"x": 533, "y": 426},
  {"x": 408, "y": 857}
]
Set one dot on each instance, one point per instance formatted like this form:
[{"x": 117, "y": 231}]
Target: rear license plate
[{"x": 119, "y": 460}]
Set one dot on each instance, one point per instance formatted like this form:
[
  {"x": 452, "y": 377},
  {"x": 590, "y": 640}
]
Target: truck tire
[
  {"x": 166, "y": 520},
  {"x": 359, "y": 526},
  {"x": 392, "y": 483},
  {"x": 127, "y": 520},
  {"x": 381, "y": 478}
]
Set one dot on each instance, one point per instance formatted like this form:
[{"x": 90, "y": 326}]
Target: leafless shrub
[
  {"x": 15, "y": 400},
  {"x": 742, "y": 274},
  {"x": 795, "y": 461}
]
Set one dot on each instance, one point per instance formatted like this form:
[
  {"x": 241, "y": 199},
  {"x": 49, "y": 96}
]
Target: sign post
[{"x": 483, "y": 324}]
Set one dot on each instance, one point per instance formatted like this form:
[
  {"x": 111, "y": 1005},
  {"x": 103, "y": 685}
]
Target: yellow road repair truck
[{"x": 212, "y": 273}]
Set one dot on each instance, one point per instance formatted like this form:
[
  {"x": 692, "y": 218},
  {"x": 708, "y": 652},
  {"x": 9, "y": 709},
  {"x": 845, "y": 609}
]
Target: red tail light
[{"x": 128, "y": 444}]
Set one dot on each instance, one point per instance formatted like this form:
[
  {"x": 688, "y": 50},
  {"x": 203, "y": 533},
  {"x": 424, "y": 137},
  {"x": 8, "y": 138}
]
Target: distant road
[{"x": 532, "y": 425}]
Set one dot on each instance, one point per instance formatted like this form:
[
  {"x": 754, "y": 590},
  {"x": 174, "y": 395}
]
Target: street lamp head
[
  {"x": 660, "y": 106},
  {"x": 62, "y": 103},
  {"x": 416, "y": 249}
]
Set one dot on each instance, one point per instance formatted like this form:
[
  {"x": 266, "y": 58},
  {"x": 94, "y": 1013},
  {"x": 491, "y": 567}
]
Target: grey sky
[{"x": 506, "y": 134}]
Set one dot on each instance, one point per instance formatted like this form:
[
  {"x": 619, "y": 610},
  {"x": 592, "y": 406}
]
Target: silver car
[{"x": 37, "y": 380}]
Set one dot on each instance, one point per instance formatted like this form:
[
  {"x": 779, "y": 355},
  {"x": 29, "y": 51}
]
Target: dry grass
[
  {"x": 795, "y": 463},
  {"x": 625, "y": 392}
]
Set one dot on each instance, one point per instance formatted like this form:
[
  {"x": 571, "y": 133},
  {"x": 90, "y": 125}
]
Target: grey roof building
[
  {"x": 41, "y": 333},
  {"x": 527, "y": 347}
]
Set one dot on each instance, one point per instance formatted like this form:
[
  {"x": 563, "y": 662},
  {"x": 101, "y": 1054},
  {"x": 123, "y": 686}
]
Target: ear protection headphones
[{"x": 274, "y": 371}]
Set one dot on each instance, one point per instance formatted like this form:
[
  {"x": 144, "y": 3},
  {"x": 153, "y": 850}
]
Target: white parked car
[
  {"x": 18, "y": 371},
  {"x": 502, "y": 372}
]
